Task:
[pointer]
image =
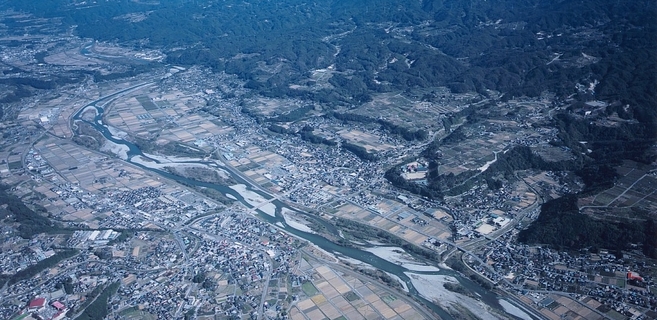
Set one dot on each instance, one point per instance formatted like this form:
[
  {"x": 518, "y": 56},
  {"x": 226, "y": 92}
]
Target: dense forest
[
  {"x": 99, "y": 308},
  {"x": 30, "y": 222},
  {"x": 439, "y": 185},
  {"x": 560, "y": 225},
  {"x": 475, "y": 45},
  {"x": 307, "y": 135},
  {"x": 33, "y": 270},
  {"x": 515, "y": 47}
]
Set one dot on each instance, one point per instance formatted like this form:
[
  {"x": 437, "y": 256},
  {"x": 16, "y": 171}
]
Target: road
[
  {"x": 620, "y": 195},
  {"x": 265, "y": 290}
]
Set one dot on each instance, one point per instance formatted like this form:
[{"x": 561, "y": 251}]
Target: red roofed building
[
  {"x": 58, "y": 305},
  {"x": 36, "y": 304},
  {"x": 634, "y": 276}
]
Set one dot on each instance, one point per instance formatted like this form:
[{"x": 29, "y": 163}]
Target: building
[
  {"x": 37, "y": 304},
  {"x": 634, "y": 276},
  {"x": 58, "y": 305},
  {"x": 403, "y": 215}
]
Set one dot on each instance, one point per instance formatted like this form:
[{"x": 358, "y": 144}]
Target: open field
[
  {"x": 553, "y": 154},
  {"x": 544, "y": 183},
  {"x": 272, "y": 106},
  {"x": 149, "y": 113},
  {"x": 54, "y": 112},
  {"x": 95, "y": 174},
  {"x": 337, "y": 295},
  {"x": 473, "y": 145},
  {"x": 561, "y": 307},
  {"x": 72, "y": 57},
  {"x": 366, "y": 140},
  {"x": 636, "y": 187},
  {"x": 89, "y": 170},
  {"x": 412, "y": 112},
  {"x": 397, "y": 219}
]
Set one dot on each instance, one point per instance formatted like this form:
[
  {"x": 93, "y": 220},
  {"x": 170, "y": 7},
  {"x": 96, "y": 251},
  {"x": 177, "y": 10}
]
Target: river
[{"x": 489, "y": 298}]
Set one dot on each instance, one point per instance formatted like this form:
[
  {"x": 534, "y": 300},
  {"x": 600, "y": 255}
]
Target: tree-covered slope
[{"x": 507, "y": 45}]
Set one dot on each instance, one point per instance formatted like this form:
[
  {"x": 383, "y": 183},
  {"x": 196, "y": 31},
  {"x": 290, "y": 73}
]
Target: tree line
[
  {"x": 561, "y": 226},
  {"x": 30, "y": 222}
]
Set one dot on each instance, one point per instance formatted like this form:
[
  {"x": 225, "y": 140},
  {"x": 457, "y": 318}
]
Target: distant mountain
[{"x": 513, "y": 46}]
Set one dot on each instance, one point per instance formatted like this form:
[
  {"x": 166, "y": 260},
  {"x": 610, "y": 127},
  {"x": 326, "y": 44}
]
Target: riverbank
[
  {"x": 399, "y": 256},
  {"x": 255, "y": 200},
  {"x": 295, "y": 223},
  {"x": 431, "y": 287}
]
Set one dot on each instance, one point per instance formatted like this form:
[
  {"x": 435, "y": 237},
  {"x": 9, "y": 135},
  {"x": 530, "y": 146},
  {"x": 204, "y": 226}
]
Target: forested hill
[{"x": 518, "y": 47}]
